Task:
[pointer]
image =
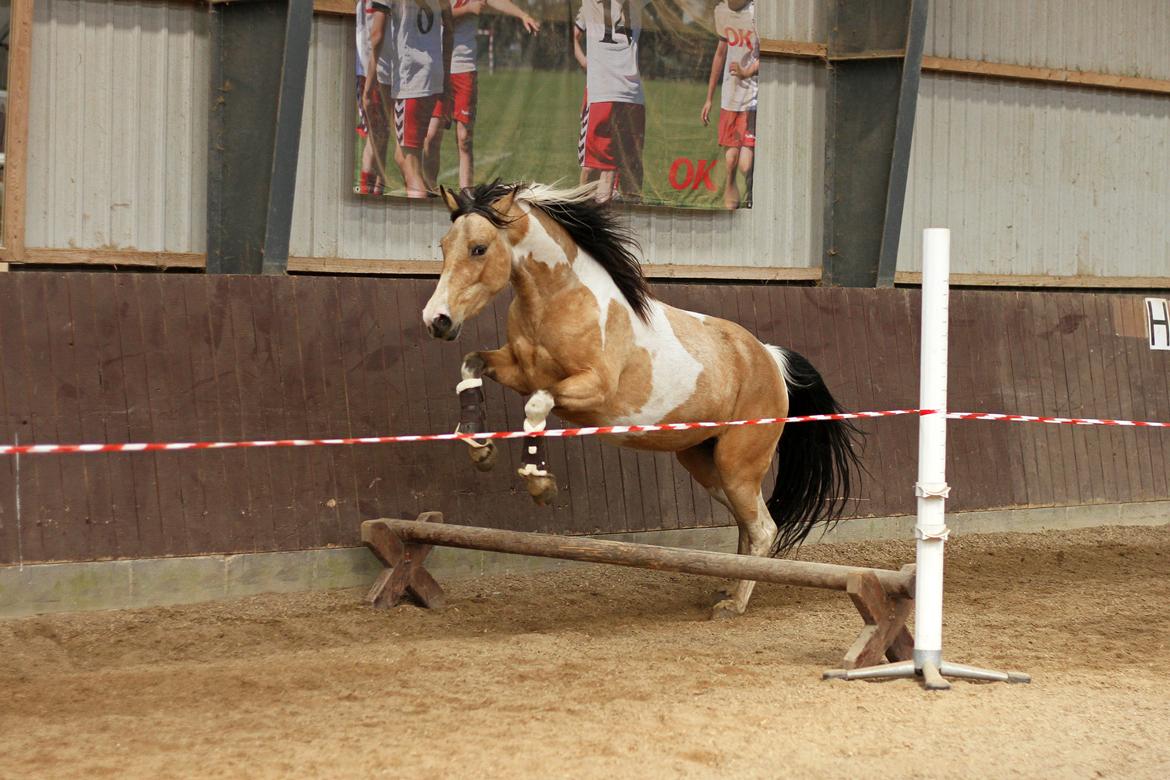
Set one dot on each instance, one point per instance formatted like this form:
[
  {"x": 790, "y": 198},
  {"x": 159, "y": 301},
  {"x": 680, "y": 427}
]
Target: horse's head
[{"x": 477, "y": 258}]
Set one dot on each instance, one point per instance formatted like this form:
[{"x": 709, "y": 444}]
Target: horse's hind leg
[
  {"x": 757, "y": 531},
  {"x": 699, "y": 461},
  {"x": 741, "y": 457}
]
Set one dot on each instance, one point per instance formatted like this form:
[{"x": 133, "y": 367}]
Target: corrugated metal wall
[
  {"x": 1127, "y": 37},
  {"x": 117, "y": 152},
  {"x": 1040, "y": 180},
  {"x": 1035, "y": 179},
  {"x": 793, "y": 20}
]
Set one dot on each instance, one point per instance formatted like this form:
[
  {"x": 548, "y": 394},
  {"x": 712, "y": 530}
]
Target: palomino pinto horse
[{"x": 587, "y": 339}]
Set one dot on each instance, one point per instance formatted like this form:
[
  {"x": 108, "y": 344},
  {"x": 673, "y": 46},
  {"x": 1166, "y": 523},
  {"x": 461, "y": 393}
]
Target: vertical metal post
[
  {"x": 260, "y": 57},
  {"x": 875, "y": 62}
]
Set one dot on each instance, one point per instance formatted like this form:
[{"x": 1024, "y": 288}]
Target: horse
[{"x": 588, "y": 340}]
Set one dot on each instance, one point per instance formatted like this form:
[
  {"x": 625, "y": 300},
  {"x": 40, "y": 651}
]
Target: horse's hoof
[
  {"x": 484, "y": 458},
  {"x": 542, "y": 489},
  {"x": 726, "y": 610}
]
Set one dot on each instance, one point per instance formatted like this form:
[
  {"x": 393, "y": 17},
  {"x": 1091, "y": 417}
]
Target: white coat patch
[
  {"x": 599, "y": 282},
  {"x": 674, "y": 372},
  {"x": 538, "y": 244}
]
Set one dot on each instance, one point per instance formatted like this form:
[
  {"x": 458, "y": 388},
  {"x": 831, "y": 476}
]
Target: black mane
[
  {"x": 593, "y": 226},
  {"x": 480, "y": 199}
]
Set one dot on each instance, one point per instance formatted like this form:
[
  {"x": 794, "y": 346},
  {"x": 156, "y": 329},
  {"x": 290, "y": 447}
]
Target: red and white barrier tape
[
  {"x": 556, "y": 433},
  {"x": 1053, "y": 420},
  {"x": 50, "y": 449}
]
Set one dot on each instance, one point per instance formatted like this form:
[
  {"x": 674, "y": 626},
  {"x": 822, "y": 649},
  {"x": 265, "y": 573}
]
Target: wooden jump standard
[{"x": 884, "y": 598}]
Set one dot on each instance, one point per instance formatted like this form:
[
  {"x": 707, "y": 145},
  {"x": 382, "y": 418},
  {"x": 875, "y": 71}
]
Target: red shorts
[
  {"x": 614, "y": 134},
  {"x": 737, "y": 128},
  {"x": 458, "y": 105},
  {"x": 412, "y": 116}
]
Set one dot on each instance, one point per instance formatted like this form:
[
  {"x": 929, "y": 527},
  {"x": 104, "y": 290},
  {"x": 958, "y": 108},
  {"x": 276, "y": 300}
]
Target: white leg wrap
[
  {"x": 469, "y": 383},
  {"x": 531, "y": 448},
  {"x": 535, "y": 419}
]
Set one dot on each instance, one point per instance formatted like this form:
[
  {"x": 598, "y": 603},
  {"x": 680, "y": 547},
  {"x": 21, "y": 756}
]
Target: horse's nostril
[{"x": 442, "y": 323}]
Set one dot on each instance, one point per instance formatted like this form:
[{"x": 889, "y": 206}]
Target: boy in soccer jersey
[
  {"x": 613, "y": 118},
  {"x": 373, "y": 95},
  {"x": 420, "y": 55},
  {"x": 738, "y": 58},
  {"x": 459, "y": 103}
]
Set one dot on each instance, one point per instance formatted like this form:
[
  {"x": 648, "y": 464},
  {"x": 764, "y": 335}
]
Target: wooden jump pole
[
  {"x": 884, "y": 598},
  {"x": 645, "y": 556}
]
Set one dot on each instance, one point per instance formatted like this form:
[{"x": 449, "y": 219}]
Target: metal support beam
[
  {"x": 260, "y": 55},
  {"x": 875, "y": 61}
]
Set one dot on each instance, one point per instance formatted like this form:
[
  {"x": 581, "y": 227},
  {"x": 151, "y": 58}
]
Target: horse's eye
[{"x": 478, "y": 250}]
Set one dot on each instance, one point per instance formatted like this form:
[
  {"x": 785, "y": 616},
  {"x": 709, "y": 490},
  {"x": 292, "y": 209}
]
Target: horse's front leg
[
  {"x": 498, "y": 364},
  {"x": 581, "y": 392}
]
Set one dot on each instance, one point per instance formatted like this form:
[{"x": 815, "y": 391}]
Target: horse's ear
[
  {"x": 449, "y": 198},
  {"x": 504, "y": 204}
]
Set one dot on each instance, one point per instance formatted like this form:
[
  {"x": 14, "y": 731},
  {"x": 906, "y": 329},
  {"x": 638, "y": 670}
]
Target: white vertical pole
[
  {"x": 931, "y": 529},
  {"x": 931, "y": 488}
]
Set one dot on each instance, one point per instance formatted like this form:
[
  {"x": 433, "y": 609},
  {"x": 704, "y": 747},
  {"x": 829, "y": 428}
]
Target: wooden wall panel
[
  {"x": 1103, "y": 365},
  {"x": 102, "y": 489},
  {"x": 12, "y": 425},
  {"x": 104, "y": 357},
  {"x": 25, "y": 347},
  {"x": 171, "y": 373},
  {"x": 212, "y": 509},
  {"x": 1154, "y": 383}
]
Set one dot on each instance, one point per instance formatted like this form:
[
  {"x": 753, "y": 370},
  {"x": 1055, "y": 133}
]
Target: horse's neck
[
  {"x": 539, "y": 285},
  {"x": 545, "y": 265}
]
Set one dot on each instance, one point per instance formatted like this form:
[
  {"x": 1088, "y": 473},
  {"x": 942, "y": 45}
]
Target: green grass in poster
[{"x": 528, "y": 123}]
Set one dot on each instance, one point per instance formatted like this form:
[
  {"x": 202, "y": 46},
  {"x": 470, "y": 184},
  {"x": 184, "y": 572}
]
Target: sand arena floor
[{"x": 606, "y": 672}]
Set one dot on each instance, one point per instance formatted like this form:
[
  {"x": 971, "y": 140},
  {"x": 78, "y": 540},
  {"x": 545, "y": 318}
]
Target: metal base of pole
[{"x": 933, "y": 675}]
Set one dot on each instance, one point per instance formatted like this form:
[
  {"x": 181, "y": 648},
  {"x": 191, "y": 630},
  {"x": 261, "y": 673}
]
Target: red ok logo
[
  {"x": 686, "y": 173},
  {"x": 738, "y": 37}
]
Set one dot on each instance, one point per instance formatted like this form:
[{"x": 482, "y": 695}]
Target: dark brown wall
[{"x": 136, "y": 357}]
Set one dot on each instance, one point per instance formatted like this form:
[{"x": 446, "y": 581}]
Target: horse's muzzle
[{"x": 441, "y": 327}]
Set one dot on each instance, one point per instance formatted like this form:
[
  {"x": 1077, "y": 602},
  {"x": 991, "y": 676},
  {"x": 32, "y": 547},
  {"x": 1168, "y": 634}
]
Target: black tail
[{"x": 818, "y": 465}]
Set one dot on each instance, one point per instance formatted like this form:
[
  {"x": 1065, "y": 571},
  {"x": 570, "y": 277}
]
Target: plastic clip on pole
[{"x": 940, "y": 491}]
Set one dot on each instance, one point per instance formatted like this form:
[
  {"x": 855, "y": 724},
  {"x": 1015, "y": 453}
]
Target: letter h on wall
[{"x": 1158, "y": 322}]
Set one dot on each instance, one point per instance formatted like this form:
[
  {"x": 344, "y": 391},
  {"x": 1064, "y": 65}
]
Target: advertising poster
[{"x": 653, "y": 100}]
